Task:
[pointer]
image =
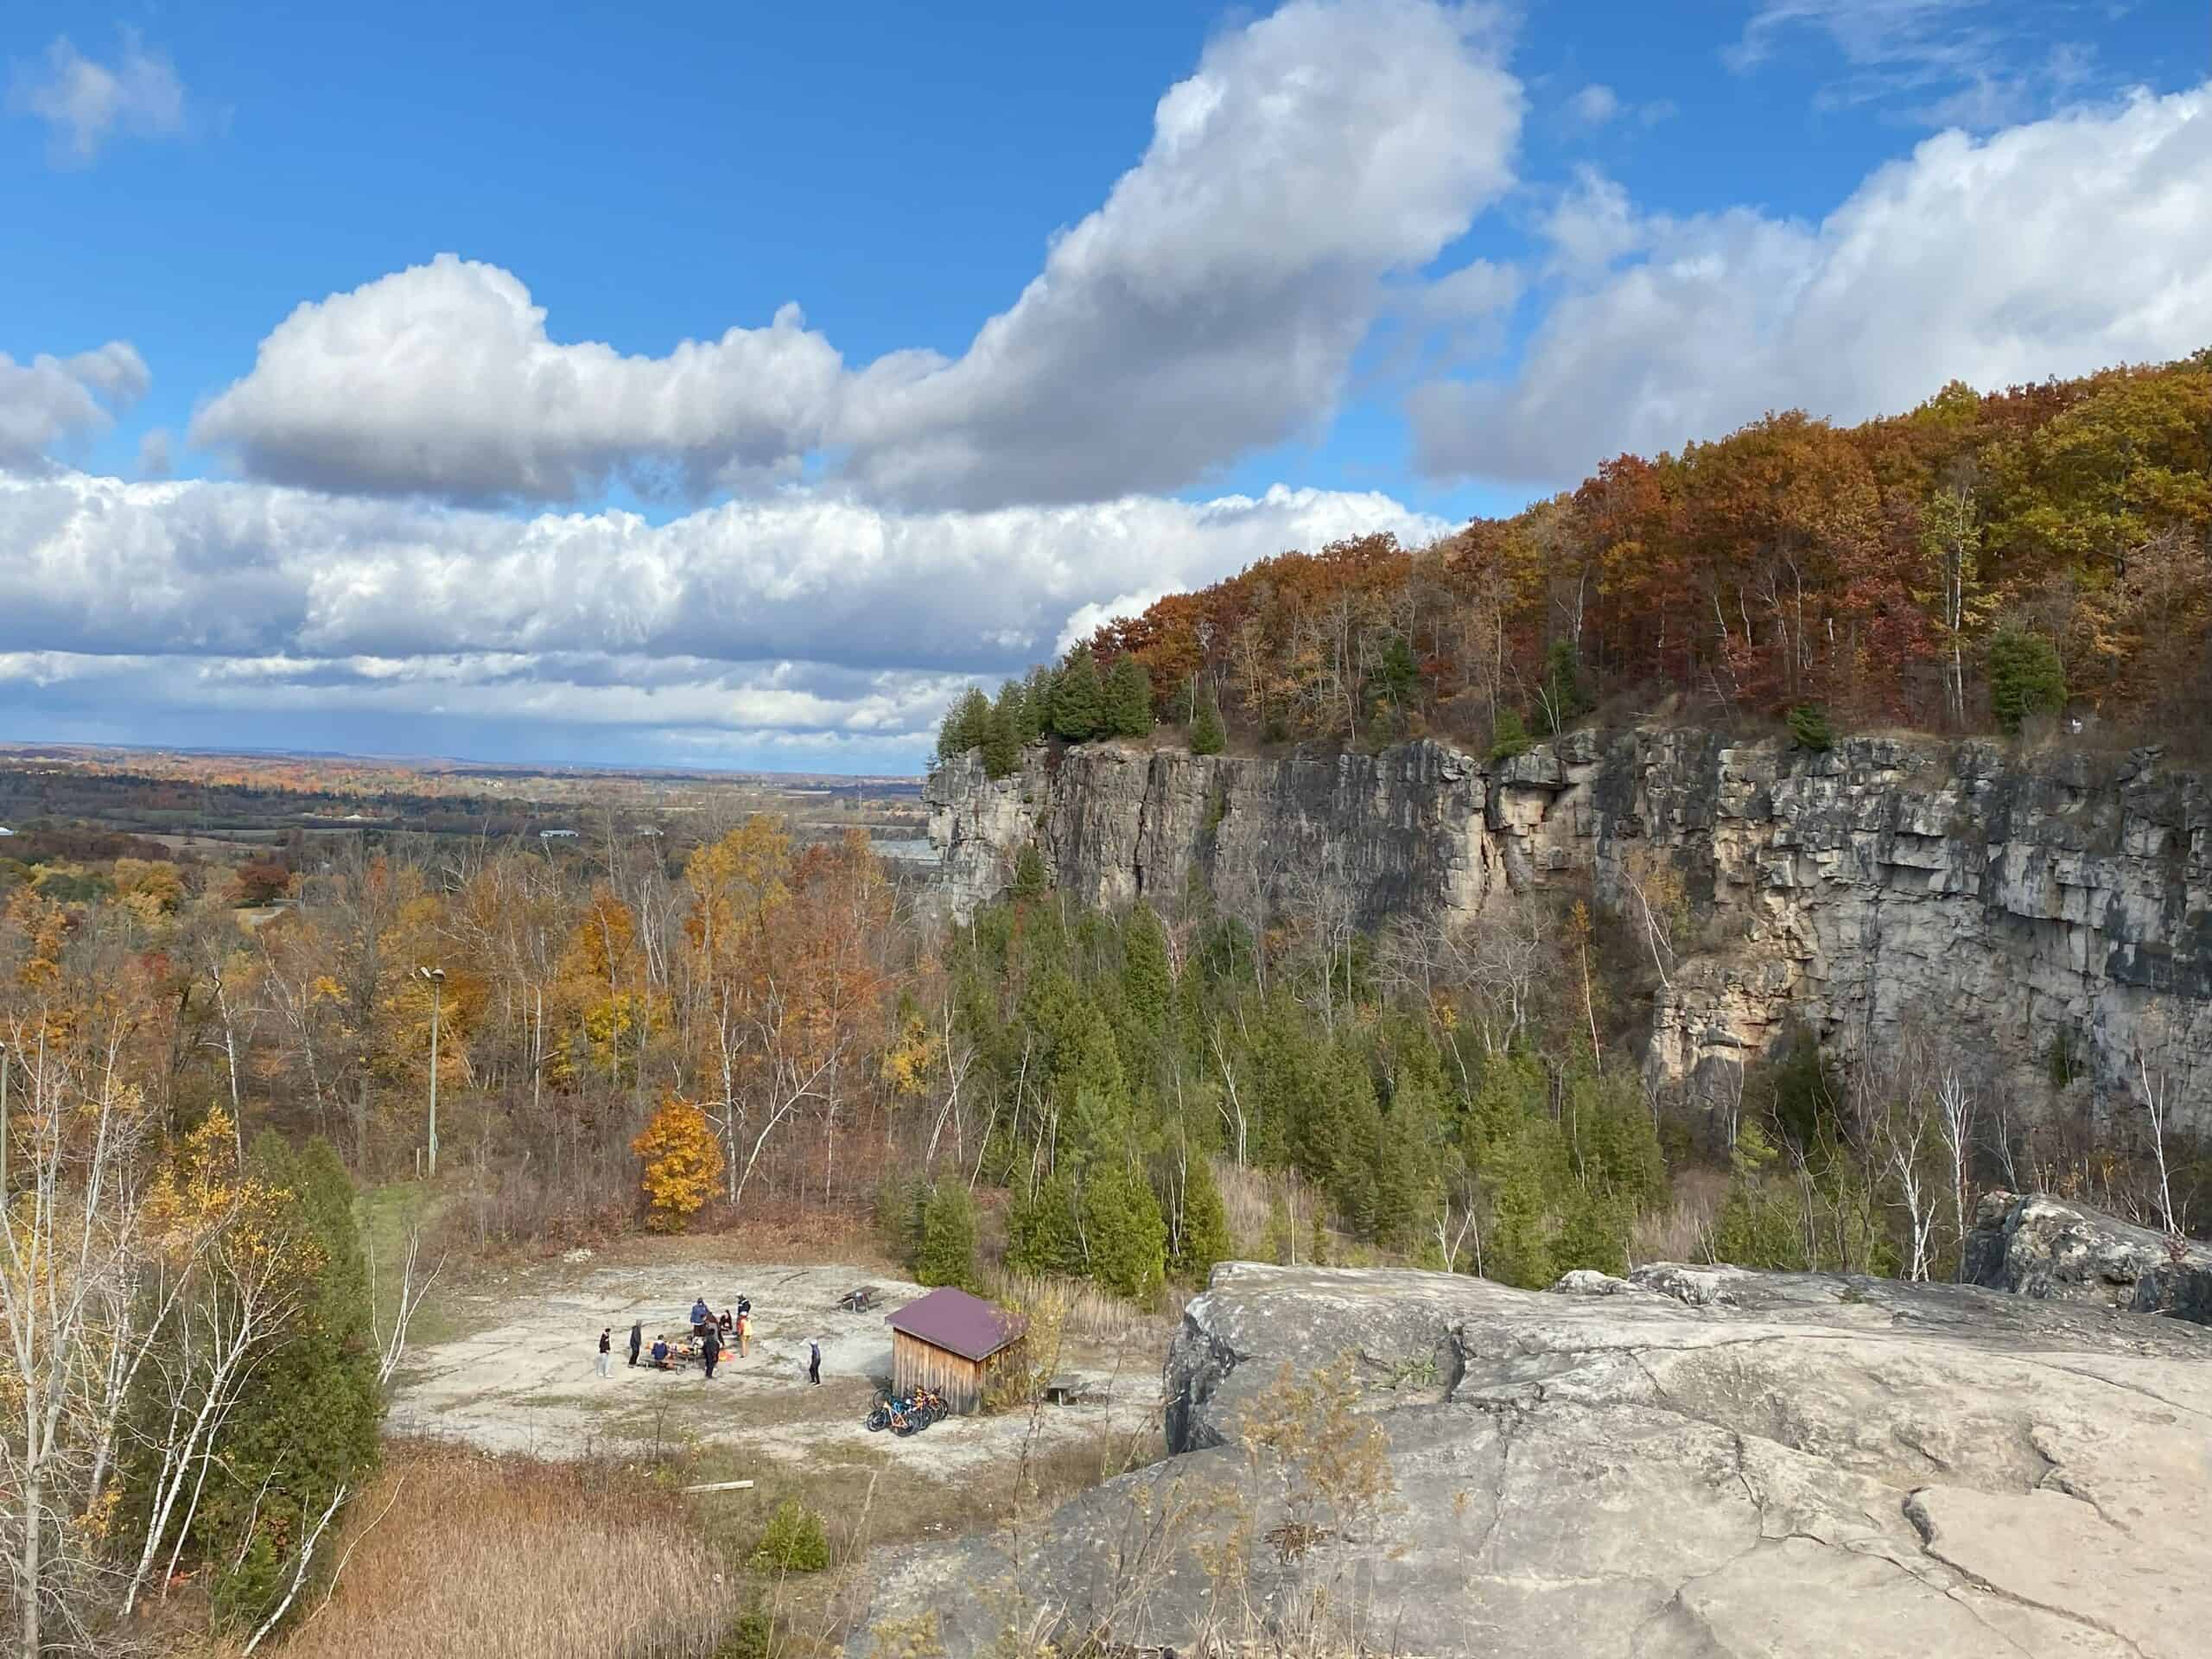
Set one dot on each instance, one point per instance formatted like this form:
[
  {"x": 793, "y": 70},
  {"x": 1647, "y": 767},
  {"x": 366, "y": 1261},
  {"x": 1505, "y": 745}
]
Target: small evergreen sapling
[{"x": 1208, "y": 735}]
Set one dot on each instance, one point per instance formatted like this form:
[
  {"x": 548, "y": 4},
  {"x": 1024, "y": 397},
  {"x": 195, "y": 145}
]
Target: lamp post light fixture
[{"x": 436, "y": 979}]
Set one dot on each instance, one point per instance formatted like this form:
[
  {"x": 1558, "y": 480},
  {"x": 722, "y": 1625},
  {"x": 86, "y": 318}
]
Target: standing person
[
  {"x": 744, "y": 1334},
  {"x": 710, "y": 1349},
  {"x": 637, "y": 1339},
  {"x": 702, "y": 1317},
  {"x": 814, "y": 1361},
  {"x": 605, "y": 1351}
]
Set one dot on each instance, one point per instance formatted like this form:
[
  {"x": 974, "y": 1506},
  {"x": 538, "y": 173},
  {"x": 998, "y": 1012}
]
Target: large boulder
[
  {"x": 2038, "y": 1246},
  {"x": 1690, "y": 1462}
]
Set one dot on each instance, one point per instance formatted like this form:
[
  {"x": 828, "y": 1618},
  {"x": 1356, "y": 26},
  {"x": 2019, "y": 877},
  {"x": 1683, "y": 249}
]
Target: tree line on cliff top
[{"x": 1982, "y": 560}]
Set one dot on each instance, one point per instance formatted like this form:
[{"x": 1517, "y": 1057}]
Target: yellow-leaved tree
[{"x": 683, "y": 1160}]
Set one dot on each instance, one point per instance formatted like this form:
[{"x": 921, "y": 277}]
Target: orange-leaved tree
[{"x": 683, "y": 1161}]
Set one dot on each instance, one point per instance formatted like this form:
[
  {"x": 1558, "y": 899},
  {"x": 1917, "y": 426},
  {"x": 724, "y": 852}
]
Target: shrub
[
  {"x": 1508, "y": 735},
  {"x": 1810, "y": 729},
  {"x": 794, "y": 1541}
]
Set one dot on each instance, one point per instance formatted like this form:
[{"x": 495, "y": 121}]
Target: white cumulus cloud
[
  {"x": 2054, "y": 247},
  {"x": 1211, "y": 305},
  {"x": 441, "y": 378},
  {"x": 796, "y": 613},
  {"x": 52, "y": 402}
]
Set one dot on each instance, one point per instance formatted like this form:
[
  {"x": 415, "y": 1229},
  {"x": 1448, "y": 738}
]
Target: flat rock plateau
[{"x": 1693, "y": 1461}]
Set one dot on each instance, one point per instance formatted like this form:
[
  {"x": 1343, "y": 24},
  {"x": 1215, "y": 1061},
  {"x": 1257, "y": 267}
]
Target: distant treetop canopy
[{"x": 1981, "y": 559}]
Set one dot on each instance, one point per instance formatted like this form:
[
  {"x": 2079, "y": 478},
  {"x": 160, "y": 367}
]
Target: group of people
[{"x": 714, "y": 1334}]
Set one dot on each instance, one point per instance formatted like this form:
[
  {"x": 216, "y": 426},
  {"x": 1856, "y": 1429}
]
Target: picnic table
[
  {"x": 1064, "y": 1390},
  {"x": 860, "y": 1300}
]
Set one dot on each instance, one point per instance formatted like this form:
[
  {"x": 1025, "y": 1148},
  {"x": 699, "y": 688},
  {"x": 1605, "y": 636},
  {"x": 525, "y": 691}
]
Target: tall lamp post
[{"x": 436, "y": 978}]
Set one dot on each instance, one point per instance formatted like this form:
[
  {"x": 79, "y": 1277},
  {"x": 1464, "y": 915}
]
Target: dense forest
[{"x": 1979, "y": 561}]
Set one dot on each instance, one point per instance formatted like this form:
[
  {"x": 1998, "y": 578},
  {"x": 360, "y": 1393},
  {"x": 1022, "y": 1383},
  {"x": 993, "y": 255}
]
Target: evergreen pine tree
[
  {"x": 1079, "y": 701},
  {"x": 306, "y": 1421},
  {"x": 947, "y": 1253},
  {"x": 1522, "y": 1177},
  {"x": 2025, "y": 677},
  {"x": 1041, "y": 1232},
  {"x": 1203, "y": 1238},
  {"x": 1563, "y": 699},
  {"x": 1508, "y": 735},
  {"x": 962, "y": 729},
  {"x": 1148, "y": 985},
  {"x": 1394, "y": 684},
  {"x": 1592, "y": 1233},
  {"x": 1128, "y": 698},
  {"x": 1029, "y": 878},
  {"x": 1037, "y": 694},
  {"x": 1208, "y": 735},
  {"x": 1001, "y": 748},
  {"x": 1127, "y": 1235}
]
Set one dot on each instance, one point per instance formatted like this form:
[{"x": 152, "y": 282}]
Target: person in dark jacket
[
  {"x": 606, "y": 1349},
  {"x": 660, "y": 1353},
  {"x": 711, "y": 1349},
  {"x": 813, "y": 1360},
  {"x": 637, "y": 1339}
]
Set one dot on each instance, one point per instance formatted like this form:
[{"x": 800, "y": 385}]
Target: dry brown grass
[
  {"x": 1260, "y": 1203},
  {"x": 1093, "y": 1314},
  {"x": 458, "y": 1555},
  {"x": 1678, "y": 1232}
]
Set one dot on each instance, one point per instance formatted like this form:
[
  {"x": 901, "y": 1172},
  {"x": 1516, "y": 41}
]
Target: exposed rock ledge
[
  {"x": 2042, "y": 1247},
  {"x": 1702, "y": 1462}
]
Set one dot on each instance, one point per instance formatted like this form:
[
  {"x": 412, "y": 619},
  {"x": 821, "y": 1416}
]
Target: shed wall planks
[{"x": 915, "y": 1363}]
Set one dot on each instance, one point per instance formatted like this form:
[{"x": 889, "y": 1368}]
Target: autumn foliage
[
  {"x": 1868, "y": 570},
  {"x": 683, "y": 1160}
]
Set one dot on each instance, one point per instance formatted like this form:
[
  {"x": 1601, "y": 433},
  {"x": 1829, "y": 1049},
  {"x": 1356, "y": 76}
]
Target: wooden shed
[{"x": 951, "y": 1341}]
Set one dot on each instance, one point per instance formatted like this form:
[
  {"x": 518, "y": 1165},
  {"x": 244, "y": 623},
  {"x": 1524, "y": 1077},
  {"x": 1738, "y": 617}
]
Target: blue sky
[{"x": 272, "y": 472}]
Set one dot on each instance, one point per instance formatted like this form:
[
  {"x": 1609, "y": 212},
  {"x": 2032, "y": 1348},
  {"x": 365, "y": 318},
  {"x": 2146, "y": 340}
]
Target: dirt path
[{"x": 525, "y": 1378}]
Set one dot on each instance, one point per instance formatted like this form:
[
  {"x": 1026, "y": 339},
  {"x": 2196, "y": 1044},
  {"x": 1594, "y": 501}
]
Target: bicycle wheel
[{"x": 879, "y": 1418}]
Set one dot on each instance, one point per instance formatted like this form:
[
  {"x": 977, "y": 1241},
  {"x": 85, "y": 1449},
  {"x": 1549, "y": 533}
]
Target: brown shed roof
[{"x": 961, "y": 1324}]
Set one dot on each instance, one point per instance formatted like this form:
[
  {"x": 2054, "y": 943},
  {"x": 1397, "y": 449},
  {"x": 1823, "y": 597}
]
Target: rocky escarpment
[
  {"x": 2038, "y": 1246},
  {"x": 1700, "y": 1462},
  {"x": 2019, "y": 902}
]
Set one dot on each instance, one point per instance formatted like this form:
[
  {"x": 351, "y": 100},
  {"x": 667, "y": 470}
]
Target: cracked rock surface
[
  {"x": 2039, "y": 1246},
  {"x": 1695, "y": 1461}
]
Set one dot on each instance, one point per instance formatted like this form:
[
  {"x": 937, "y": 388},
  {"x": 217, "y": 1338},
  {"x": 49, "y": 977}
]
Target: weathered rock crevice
[{"x": 2023, "y": 902}]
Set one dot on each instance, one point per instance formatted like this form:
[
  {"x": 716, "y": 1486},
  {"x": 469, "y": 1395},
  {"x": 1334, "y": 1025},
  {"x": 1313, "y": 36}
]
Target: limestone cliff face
[{"x": 2018, "y": 899}]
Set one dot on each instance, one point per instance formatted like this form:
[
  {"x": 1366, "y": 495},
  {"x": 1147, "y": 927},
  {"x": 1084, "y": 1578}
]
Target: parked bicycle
[{"x": 926, "y": 1407}]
